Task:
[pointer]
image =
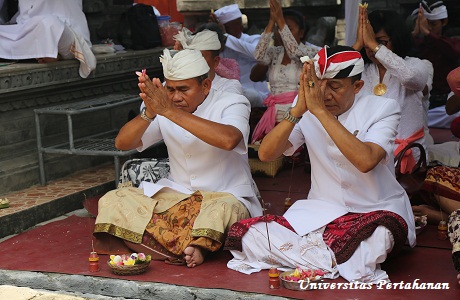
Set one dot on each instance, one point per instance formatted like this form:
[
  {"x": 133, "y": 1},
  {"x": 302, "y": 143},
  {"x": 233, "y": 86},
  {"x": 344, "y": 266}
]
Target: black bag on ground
[
  {"x": 138, "y": 28},
  {"x": 412, "y": 182}
]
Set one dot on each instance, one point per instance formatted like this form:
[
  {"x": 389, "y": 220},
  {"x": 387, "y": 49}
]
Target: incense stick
[{"x": 266, "y": 226}]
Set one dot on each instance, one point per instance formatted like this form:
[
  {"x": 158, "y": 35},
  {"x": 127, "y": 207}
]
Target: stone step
[{"x": 33, "y": 205}]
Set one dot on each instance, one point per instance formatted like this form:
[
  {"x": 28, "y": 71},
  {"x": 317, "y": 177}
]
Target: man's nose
[
  {"x": 176, "y": 96},
  {"x": 328, "y": 93}
]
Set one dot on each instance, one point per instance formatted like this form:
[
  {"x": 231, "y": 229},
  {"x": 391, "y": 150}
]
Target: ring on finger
[{"x": 311, "y": 83}]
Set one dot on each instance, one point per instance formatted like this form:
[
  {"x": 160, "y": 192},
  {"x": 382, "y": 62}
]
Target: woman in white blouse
[
  {"x": 280, "y": 63},
  {"x": 384, "y": 42}
]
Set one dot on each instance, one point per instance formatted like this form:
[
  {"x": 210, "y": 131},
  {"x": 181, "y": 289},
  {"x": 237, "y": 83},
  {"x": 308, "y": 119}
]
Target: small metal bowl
[{"x": 296, "y": 285}]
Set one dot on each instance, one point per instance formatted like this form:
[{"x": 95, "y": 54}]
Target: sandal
[{"x": 175, "y": 261}]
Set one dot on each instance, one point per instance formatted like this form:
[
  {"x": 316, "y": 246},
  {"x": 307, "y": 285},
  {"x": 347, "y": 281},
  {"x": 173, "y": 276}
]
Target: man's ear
[
  {"x": 216, "y": 61},
  {"x": 206, "y": 85},
  {"x": 444, "y": 22},
  {"x": 358, "y": 85}
]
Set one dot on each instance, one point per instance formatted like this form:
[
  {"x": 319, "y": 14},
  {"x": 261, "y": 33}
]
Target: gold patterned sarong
[
  {"x": 176, "y": 220},
  {"x": 443, "y": 181},
  {"x": 124, "y": 213}
]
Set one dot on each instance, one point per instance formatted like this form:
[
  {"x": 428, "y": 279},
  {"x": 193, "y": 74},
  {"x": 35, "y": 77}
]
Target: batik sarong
[
  {"x": 173, "y": 220},
  {"x": 443, "y": 181},
  {"x": 344, "y": 234}
]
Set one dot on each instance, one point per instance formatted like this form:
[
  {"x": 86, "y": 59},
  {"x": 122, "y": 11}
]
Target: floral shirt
[{"x": 283, "y": 78}]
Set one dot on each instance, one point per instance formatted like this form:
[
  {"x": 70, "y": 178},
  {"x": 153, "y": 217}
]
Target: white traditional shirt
[
  {"x": 227, "y": 85},
  {"x": 283, "y": 78},
  {"x": 337, "y": 186},
  {"x": 242, "y": 50},
  {"x": 196, "y": 165},
  {"x": 405, "y": 80}
]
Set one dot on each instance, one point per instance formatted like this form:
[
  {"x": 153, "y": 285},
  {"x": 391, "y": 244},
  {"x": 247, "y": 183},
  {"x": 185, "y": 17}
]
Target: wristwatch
[
  {"x": 287, "y": 116},
  {"x": 144, "y": 115}
]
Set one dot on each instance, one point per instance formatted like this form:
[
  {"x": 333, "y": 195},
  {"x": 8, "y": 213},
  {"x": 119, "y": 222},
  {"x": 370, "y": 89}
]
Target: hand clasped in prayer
[
  {"x": 313, "y": 89},
  {"x": 154, "y": 95}
]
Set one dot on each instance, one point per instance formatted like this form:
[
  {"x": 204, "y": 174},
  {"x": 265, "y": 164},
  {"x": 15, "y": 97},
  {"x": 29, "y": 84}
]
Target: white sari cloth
[
  {"x": 288, "y": 251},
  {"x": 43, "y": 27}
]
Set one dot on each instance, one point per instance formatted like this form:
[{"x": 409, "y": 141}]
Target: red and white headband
[{"x": 337, "y": 62}]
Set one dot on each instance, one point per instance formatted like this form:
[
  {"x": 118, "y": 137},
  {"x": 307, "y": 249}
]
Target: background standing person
[
  {"x": 241, "y": 46},
  {"x": 280, "y": 64},
  {"x": 443, "y": 52},
  {"x": 384, "y": 42}
]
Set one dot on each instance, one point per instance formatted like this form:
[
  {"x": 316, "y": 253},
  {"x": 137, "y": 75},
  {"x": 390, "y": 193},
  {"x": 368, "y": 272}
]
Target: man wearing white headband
[
  {"x": 209, "y": 186},
  {"x": 209, "y": 42},
  {"x": 241, "y": 47},
  {"x": 209, "y": 39},
  {"x": 353, "y": 187},
  {"x": 442, "y": 51}
]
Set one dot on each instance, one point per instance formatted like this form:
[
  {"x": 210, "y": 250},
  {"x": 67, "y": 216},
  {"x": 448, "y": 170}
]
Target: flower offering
[
  {"x": 129, "y": 259},
  {"x": 300, "y": 274}
]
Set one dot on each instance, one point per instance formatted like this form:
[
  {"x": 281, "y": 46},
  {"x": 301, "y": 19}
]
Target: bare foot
[
  {"x": 45, "y": 60},
  {"x": 433, "y": 215},
  {"x": 458, "y": 278},
  {"x": 194, "y": 256}
]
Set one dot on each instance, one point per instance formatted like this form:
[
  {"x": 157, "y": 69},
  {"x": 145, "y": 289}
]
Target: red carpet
[{"x": 64, "y": 246}]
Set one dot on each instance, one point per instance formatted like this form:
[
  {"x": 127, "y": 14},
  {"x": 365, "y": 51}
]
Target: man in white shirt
[
  {"x": 209, "y": 40},
  {"x": 209, "y": 43},
  {"x": 356, "y": 212},
  {"x": 241, "y": 47},
  {"x": 209, "y": 186}
]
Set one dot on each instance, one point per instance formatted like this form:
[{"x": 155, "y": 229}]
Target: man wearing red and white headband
[{"x": 356, "y": 212}]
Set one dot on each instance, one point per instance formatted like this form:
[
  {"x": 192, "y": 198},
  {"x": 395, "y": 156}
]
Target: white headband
[
  {"x": 203, "y": 40},
  {"x": 436, "y": 11},
  {"x": 228, "y": 13},
  {"x": 185, "y": 64}
]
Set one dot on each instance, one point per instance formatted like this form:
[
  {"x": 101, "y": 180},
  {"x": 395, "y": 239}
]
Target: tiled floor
[{"x": 79, "y": 181}]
